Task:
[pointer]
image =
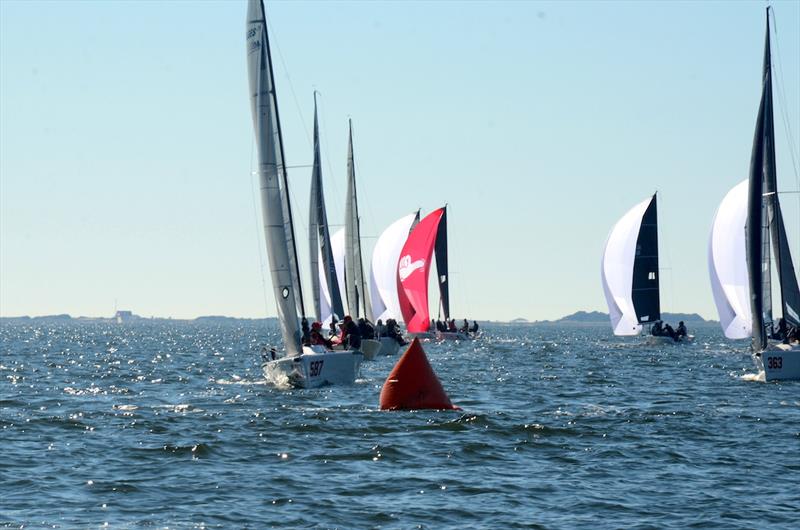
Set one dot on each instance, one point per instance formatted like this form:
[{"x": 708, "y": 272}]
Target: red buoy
[{"x": 413, "y": 385}]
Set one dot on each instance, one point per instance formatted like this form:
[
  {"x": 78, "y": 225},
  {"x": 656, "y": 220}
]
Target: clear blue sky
[{"x": 126, "y": 142}]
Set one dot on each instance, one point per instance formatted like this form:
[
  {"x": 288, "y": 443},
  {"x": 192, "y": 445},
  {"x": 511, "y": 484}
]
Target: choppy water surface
[{"x": 172, "y": 424}]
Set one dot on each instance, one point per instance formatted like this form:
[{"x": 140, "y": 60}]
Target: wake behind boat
[{"x": 300, "y": 366}]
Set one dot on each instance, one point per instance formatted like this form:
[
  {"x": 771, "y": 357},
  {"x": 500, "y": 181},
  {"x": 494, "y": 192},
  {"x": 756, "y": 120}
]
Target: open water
[{"x": 164, "y": 424}]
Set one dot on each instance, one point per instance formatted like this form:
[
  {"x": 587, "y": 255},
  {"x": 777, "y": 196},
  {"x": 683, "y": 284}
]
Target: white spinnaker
[
  {"x": 383, "y": 274},
  {"x": 727, "y": 264},
  {"x": 616, "y": 270}
]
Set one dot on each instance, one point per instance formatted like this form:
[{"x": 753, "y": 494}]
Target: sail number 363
[
  {"x": 315, "y": 368},
  {"x": 775, "y": 363}
]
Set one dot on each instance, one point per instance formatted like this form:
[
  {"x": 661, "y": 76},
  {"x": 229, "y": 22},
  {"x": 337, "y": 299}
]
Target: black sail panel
[
  {"x": 440, "y": 250},
  {"x": 755, "y": 233},
  {"x": 790, "y": 293},
  {"x": 319, "y": 235},
  {"x": 645, "y": 288}
]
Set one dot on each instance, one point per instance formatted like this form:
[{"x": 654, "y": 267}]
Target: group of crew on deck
[
  {"x": 785, "y": 332},
  {"x": 660, "y": 329},
  {"x": 450, "y": 326},
  {"x": 350, "y": 333}
]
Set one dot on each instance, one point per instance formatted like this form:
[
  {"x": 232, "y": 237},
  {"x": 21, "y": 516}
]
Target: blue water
[{"x": 172, "y": 425}]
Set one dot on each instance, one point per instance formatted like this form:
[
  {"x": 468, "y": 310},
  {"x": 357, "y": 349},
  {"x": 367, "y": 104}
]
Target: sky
[{"x": 127, "y": 147}]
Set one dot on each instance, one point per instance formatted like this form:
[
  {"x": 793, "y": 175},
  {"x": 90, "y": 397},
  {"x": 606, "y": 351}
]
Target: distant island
[
  {"x": 125, "y": 317},
  {"x": 596, "y": 317}
]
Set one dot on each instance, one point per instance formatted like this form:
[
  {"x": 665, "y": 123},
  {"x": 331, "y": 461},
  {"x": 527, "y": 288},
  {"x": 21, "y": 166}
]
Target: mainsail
[
  {"x": 357, "y": 298},
  {"x": 629, "y": 269},
  {"x": 765, "y": 221},
  {"x": 413, "y": 268},
  {"x": 727, "y": 264},
  {"x": 320, "y": 241},
  {"x": 275, "y": 205},
  {"x": 440, "y": 250},
  {"x": 383, "y": 275}
]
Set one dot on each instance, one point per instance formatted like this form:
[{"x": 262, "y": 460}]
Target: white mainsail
[
  {"x": 383, "y": 275},
  {"x": 357, "y": 296},
  {"x": 727, "y": 264},
  {"x": 275, "y": 208},
  {"x": 616, "y": 270}
]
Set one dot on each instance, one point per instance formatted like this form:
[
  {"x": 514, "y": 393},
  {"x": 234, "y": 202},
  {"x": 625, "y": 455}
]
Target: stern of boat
[{"x": 779, "y": 362}]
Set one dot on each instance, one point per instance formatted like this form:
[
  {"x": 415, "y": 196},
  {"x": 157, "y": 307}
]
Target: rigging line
[
  {"x": 276, "y": 45},
  {"x": 258, "y": 232},
  {"x": 782, "y": 99},
  {"x": 465, "y": 301},
  {"x": 363, "y": 183},
  {"x": 784, "y": 110},
  {"x": 331, "y": 174}
]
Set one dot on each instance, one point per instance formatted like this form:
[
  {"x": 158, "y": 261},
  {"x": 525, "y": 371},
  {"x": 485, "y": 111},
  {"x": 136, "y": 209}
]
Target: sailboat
[
  {"x": 324, "y": 285},
  {"x": 300, "y": 366},
  {"x": 629, "y": 271},
  {"x": 773, "y": 354},
  {"x": 358, "y": 302},
  {"x": 413, "y": 268}
]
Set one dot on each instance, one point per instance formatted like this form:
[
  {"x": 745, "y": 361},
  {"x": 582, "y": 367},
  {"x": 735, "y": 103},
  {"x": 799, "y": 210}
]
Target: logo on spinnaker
[{"x": 406, "y": 267}]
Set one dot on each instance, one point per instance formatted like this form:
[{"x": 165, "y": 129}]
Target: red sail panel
[{"x": 412, "y": 272}]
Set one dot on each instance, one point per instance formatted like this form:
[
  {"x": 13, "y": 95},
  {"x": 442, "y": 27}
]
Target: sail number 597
[
  {"x": 775, "y": 363},
  {"x": 315, "y": 368}
]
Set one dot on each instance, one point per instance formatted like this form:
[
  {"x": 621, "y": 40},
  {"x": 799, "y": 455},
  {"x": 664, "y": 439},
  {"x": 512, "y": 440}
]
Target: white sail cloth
[
  {"x": 727, "y": 264},
  {"x": 616, "y": 270},
  {"x": 383, "y": 274},
  {"x": 338, "y": 250},
  {"x": 278, "y": 229}
]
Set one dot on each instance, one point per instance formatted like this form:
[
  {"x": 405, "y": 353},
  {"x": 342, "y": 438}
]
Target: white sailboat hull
[
  {"x": 370, "y": 348},
  {"x": 666, "y": 339},
  {"x": 314, "y": 368},
  {"x": 389, "y": 346},
  {"x": 779, "y": 362}
]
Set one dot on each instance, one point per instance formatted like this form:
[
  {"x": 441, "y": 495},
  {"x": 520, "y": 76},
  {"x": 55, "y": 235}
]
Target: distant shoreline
[{"x": 578, "y": 318}]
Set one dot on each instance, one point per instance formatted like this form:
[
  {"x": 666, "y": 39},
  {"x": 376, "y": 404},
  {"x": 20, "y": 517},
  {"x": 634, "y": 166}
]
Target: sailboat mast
[
  {"x": 757, "y": 229},
  {"x": 357, "y": 297},
  {"x": 443, "y": 279},
  {"x": 319, "y": 237},
  {"x": 287, "y": 203}
]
